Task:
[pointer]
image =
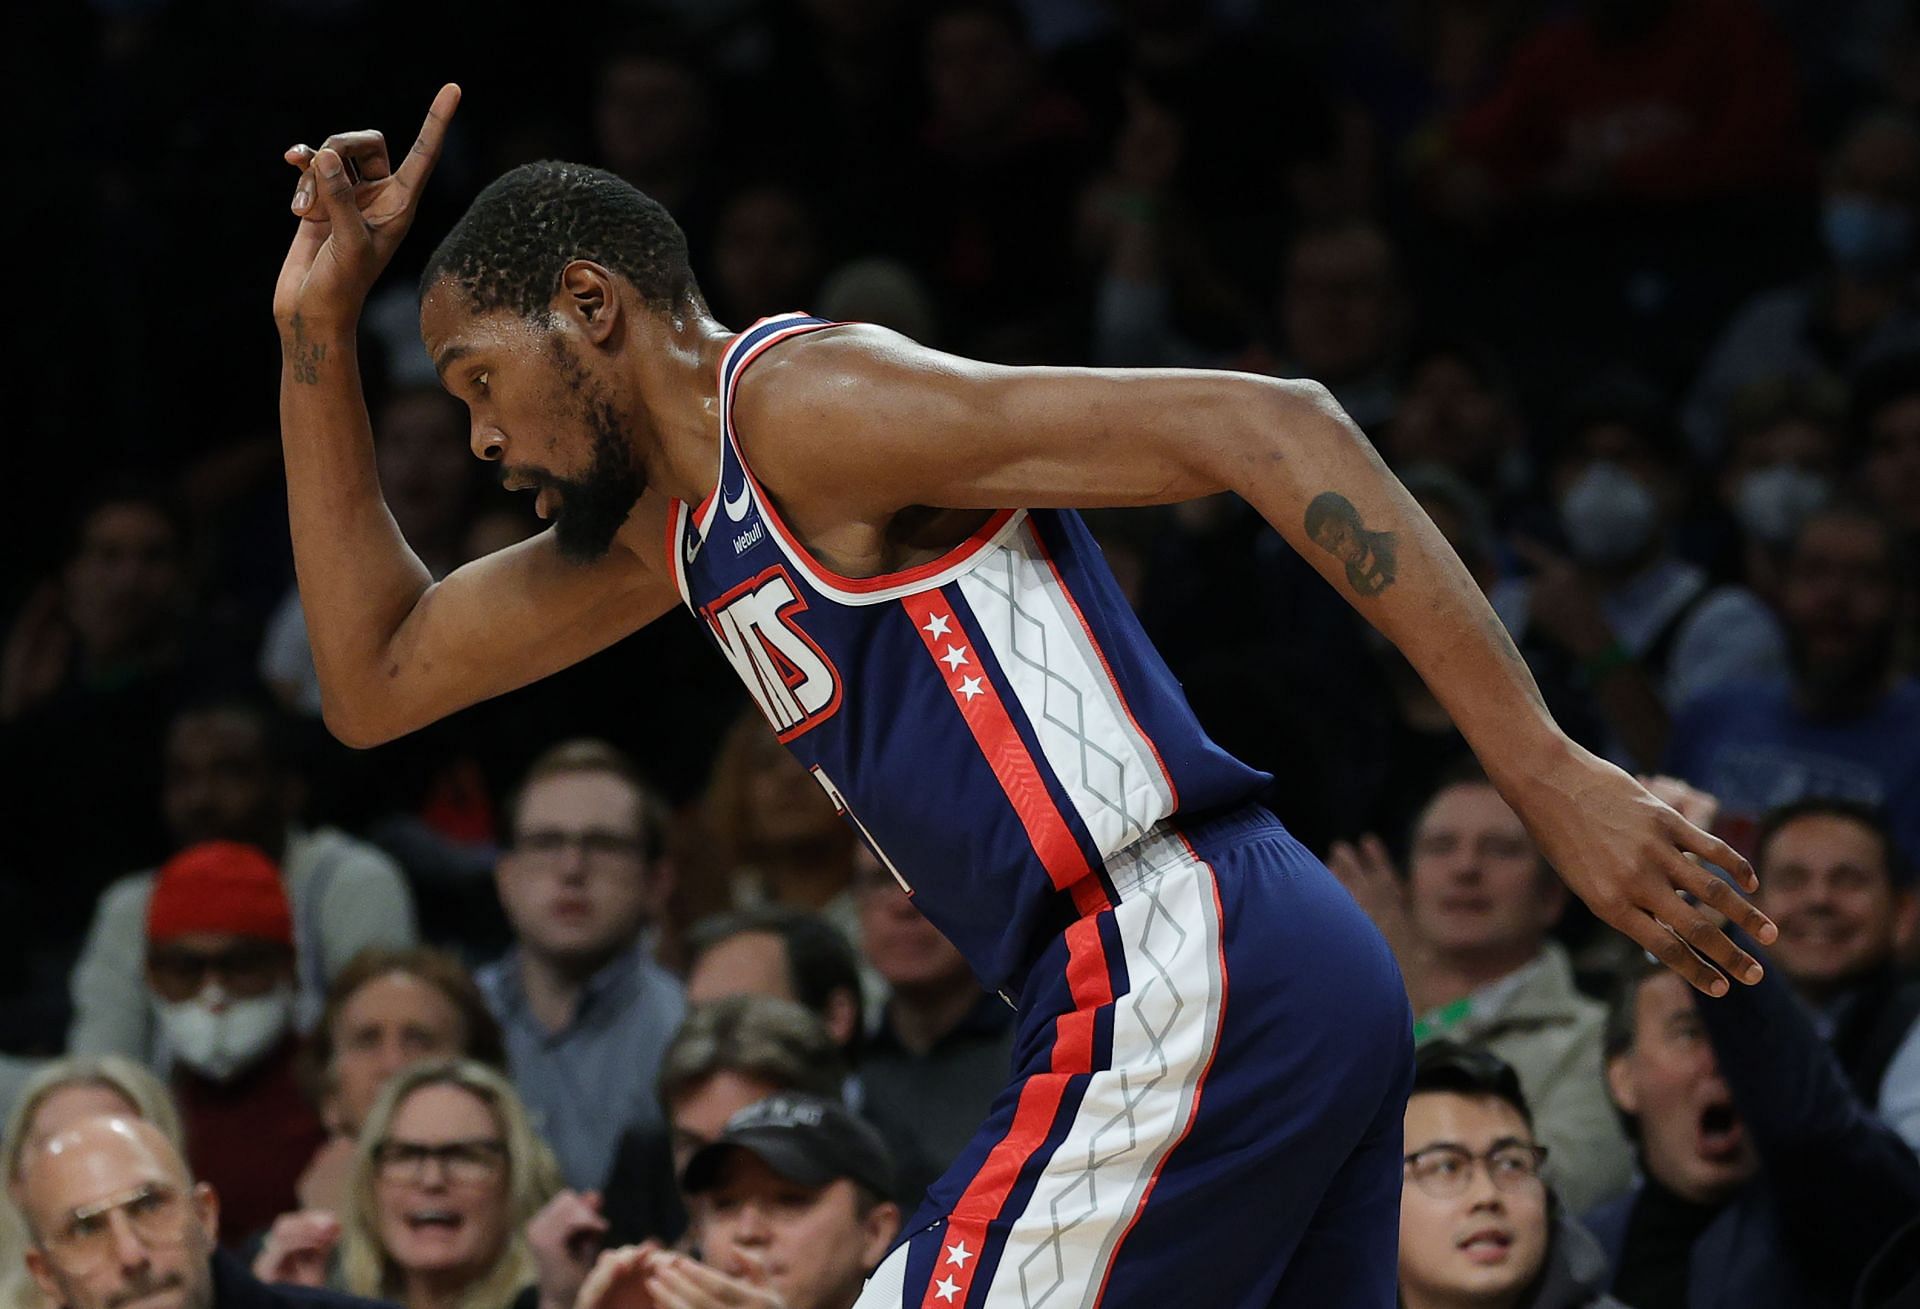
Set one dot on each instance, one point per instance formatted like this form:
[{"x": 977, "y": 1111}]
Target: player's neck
[{"x": 678, "y": 364}]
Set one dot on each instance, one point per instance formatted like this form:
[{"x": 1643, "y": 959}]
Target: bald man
[{"x": 116, "y": 1220}]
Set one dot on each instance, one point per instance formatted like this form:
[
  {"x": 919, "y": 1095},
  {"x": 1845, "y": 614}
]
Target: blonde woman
[
  {"x": 61, "y": 1094},
  {"x": 447, "y": 1171}
]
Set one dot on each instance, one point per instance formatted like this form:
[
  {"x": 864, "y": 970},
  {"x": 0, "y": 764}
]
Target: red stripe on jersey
[
  {"x": 1091, "y": 986},
  {"x": 1101, "y": 655},
  {"x": 986, "y": 717},
  {"x": 986, "y": 1195}
]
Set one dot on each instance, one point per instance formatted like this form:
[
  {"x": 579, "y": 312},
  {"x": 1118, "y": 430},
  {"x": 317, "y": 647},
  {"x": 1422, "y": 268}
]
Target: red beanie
[{"x": 220, "y": 886}]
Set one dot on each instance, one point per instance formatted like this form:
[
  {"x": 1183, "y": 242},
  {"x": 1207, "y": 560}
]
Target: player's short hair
[
  {"x": 1870, "y": 816},
  {"x": 520, "y": 233},
  {"x": 759, "y": 1036},
  {"x": 1452, "y": 1068}
]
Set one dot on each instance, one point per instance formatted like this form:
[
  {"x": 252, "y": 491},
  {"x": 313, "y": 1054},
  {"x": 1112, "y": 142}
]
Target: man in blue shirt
[
  {"x": 1843, "y": 723},
  {"x": 586, "y": 1011}
]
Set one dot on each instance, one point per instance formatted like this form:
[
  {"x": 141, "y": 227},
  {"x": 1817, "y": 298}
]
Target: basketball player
[{"x": 1213, "y": 1053}]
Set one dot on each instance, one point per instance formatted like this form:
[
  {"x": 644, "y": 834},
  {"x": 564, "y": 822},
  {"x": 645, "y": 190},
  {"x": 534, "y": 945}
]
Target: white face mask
[
  {"x": 220, "y": 1044},
  {"x": 1609, "y": 514},
  {"x": 1772, "y": 502}
]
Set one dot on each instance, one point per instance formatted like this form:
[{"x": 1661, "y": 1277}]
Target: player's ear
[{"x": 587, "y": 296}]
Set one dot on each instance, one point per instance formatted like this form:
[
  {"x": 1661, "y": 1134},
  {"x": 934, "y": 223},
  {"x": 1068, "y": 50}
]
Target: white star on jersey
[
  {"x": 946, "y": 1288},
  {"x": 958, "y": 1253},
  {"x": 969, "y": 687},
  {"x": 954, "y": 657},
  {"x": 937, "y": 625}
]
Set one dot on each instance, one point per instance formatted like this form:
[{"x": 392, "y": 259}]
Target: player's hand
[
  {"x": 297, "y": 1248},
  {"x": 1636, "y": 862},
  {"x": 564, "y": 1237},
  {"x": 354, "y": 208}
]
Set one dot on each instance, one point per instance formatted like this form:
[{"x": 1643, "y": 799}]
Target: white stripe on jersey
[{"x": 1106, "y": 766}]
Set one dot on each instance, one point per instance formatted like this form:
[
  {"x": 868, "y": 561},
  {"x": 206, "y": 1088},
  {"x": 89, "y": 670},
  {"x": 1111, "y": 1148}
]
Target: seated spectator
[
  {"x": 1455, "y": 408},
  {"x": 230, "y": 775},
  {"x": 1842, "y": 721},
  {"x": 1470, "y": 926},
  {"x": 789, "y": 1200},
  {"x": 1860, "y": 305},
  {"x": 220, "y": 971},
  {"x": 388, "y": 1009},
  {"x": 785, "y": 953},
  {"x": 160, "y": 1252},
  {"x": 59, "y": 1096},
  {"x": 1886, "y": 421},
  {"x": 1843, "y": 898},
  {"x": 586, "y": 1010},
  {"x": 448, "y": 1173},
  {"x": 1766, "y": 1183},
  {"x": 1480, "y": 1226},
  {"x": 1784, "y": 442},
  {"x": 777, "y": 835},
  {"x": 941, "y": 1050},
  {"x": 729, "y": 1054},
  {"x": 1622, "y": 614}
]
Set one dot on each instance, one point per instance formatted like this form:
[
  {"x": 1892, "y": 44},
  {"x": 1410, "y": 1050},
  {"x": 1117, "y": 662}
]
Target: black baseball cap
[{"x": 803, "y": 1138}]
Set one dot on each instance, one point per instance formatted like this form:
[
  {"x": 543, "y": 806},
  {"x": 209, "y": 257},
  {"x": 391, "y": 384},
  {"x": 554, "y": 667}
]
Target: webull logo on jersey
[
  {"x": 748, "y": 539},
  {"x": 788, "y": 676}
]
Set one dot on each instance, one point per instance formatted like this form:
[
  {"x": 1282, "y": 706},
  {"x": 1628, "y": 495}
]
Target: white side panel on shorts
[
  {"x": 1164, "y": 1033},
  {"x": 1093, "y": 747}
]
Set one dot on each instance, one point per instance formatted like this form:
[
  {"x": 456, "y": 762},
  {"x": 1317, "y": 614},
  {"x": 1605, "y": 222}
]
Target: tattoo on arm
[
  {"x": 304, "y": 357},
  {"x": 1334, "y": 524}
]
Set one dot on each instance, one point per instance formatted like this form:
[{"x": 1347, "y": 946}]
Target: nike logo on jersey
[
  {"x": 736, "y": 507},
  {"x": 788, "y": 676},
  {"x": 693, "y": 545}
]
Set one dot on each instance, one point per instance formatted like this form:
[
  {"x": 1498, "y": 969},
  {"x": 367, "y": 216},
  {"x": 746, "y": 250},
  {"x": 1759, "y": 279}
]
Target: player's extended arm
[
  {"x": 914, "y": 427},
  {"x": 394, "y": 649}
]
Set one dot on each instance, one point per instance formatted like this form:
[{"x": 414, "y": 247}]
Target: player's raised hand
[
  {"x": 354, "y": 207},
  {"x": 1637, "y": 863}
]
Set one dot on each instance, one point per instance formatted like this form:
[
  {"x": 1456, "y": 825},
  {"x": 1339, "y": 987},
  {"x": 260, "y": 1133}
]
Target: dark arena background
[{"x": 1625, "y": 292}]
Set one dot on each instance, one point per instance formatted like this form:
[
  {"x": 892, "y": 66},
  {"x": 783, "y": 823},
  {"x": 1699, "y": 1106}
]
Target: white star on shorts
[
  {"x": 969, "y": 687},
  {"x": 958, "y": 1253},
  {"x": 946, "y": 1288},
  {"x": 954, "y": 657},
  {"x": 936, "y": 625}
]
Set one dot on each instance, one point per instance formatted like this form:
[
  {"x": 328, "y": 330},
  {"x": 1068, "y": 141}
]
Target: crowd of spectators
[{"x": 1626, "y": 291}]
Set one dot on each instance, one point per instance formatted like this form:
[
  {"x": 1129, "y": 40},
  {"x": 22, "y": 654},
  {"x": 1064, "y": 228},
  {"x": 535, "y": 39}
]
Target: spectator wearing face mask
[
  {"x": 1859, "y": 307},
  {"x": 1621, "y": 615},
  {"x": 220, "y": 974},
  {"x": 1784, "y": 443}
]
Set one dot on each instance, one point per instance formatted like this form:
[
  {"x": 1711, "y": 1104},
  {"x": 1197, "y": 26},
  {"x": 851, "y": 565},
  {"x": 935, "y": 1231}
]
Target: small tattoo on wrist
[{"x": 304, "y": 357}]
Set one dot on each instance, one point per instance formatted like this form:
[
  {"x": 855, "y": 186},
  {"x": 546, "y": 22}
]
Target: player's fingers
[
  {"x": 1712, "y": 849},
  {"x": 418, "y": 165},
  {"x": 365, "y": 152},
  {"x": 336, "y": 193},
  {"x": 1656, "y": 939},
  {"x": 1717, "y": 895},
  {"x": 1704, "y": 937}
]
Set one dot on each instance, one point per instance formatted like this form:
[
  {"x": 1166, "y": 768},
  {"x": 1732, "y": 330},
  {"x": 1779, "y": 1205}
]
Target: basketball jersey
[{"x": 994, "y": 722}]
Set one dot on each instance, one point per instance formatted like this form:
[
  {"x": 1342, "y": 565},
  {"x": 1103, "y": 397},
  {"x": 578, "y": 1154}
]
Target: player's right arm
[{"x": 394, "y": 649}]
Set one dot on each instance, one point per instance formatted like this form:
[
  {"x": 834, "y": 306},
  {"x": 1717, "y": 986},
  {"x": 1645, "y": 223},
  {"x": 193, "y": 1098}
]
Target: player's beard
[{"x": 593, "y": 507}]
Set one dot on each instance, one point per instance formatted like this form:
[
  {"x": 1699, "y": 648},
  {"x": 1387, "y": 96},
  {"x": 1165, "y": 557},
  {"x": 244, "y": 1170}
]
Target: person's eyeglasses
[
  {"x": 595, "y": 847},
  {"x": 157, "y": 1215},
  {"x": 248, "y": 968},
  {"x": 1446, "y": 1171},
  {"x": 462, "y": 1163}
]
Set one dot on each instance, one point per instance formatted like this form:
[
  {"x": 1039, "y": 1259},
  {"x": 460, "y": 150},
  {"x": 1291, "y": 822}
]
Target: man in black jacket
[{"x": 116, "y": 1219}]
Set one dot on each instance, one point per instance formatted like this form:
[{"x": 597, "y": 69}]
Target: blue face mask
[{"x": 1865, "y": 235}]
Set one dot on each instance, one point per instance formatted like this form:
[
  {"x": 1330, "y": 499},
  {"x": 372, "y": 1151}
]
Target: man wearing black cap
[{"x": 788, "y": 1210}]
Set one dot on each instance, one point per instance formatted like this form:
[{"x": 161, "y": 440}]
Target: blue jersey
[{"x": 994, "y": 722}]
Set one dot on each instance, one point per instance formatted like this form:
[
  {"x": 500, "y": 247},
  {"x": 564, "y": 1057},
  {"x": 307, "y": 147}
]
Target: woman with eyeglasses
[{"x": 447, "y": 1172}]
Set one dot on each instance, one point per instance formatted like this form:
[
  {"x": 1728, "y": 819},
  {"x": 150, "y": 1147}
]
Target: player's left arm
[{"x": 892, "y": 425}]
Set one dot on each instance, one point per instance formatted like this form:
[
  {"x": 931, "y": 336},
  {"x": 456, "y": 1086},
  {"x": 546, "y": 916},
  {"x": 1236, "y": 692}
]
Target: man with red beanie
[{"x": 220, "y": 977}]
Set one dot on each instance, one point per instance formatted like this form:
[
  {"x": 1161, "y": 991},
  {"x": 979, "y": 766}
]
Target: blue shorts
[{"x": 1208, "y": 1087}]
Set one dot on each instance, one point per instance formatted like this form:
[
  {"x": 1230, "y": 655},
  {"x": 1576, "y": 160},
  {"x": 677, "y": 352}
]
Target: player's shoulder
[{"x": 839, "y": 371}]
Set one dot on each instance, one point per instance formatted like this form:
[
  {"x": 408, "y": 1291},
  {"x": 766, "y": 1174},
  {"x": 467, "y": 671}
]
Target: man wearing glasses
[
  {"x": 586, "y": 1011},
  {"x": 115, "y": 1219},
  {"x": 1479, "y": 1228}
]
